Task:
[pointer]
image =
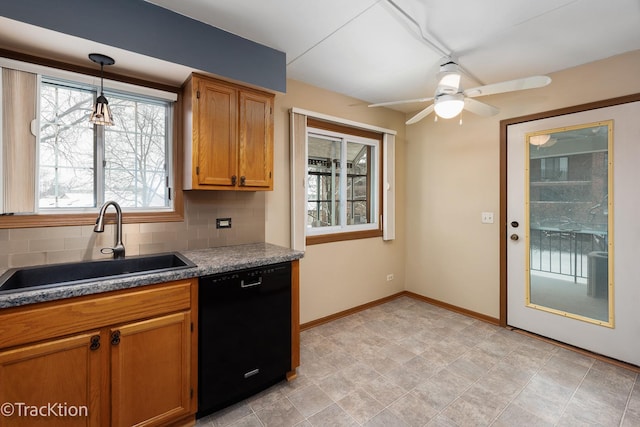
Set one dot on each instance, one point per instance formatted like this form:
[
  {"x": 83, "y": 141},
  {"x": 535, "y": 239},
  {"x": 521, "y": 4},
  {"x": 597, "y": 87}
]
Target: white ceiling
[{"x": 385, "y": 50}]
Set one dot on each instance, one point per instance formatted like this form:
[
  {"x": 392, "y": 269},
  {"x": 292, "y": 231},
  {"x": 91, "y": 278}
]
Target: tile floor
[{"x": 409, "y": 363}]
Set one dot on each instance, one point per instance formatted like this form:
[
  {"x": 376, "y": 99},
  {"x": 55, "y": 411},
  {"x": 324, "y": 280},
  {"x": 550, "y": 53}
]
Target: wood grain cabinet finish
[
  {"x": 65, "y": 373},
  {"x": 129, "y": 357},
  {"x": 149, "y": 377},
  {"x": 228, "y": 136}
]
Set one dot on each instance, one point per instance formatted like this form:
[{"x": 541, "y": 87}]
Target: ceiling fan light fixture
[
  {"x": 539, "y": 140},
  {"x": 449, "y": 106},
  {"x": 449, "y": 78}
]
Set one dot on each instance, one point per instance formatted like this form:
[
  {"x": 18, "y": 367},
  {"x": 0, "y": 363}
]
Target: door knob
[
  {"x": 514, "y": 237},
  {"x": 514, "y": 224}
]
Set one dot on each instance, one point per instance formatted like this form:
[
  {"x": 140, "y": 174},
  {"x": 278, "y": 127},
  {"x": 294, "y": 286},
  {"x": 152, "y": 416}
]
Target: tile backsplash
[{"x": 47, "y": 245}]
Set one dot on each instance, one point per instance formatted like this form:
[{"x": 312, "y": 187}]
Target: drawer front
[{"x": 52, "y": 319}]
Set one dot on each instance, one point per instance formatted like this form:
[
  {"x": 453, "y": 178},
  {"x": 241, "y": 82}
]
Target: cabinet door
[
  {"x": 256, "y": 140},
  {"x": 52, "y": 383},
  {"x": 150, "y": 371},
  {"x": 217, "y": 160}
]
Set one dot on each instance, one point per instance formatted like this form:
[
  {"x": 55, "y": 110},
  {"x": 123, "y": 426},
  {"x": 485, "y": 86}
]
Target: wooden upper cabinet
[
  {"x": 255, "y": 163},
  {"x": 216, "y": 144},
  {"x": 228, "y": 136}
]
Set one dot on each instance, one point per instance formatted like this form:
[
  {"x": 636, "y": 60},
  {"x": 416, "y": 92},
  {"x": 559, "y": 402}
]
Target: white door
[{"x": 572, "y": 276}]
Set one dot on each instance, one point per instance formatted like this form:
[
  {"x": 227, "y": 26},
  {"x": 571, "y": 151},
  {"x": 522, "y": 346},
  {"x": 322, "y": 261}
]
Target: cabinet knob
[
  {"x": 243, "y": 180},
  {"x": 95, "y": 343},
  {"x": 233, "y": 180},
  {"x": 115, "y": 337}
]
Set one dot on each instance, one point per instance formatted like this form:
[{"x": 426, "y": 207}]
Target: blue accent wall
[{"x": 144, "y": 28}]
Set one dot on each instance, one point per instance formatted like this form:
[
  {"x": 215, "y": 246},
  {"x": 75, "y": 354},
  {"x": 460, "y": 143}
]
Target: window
[
  {"x": 554, "y": 168},
  {"x": 58, "y": 168},
  {"x": 343, "y": 182},
  {"x": 82, "y": 165},
  {"x": 367, "y": 193}
]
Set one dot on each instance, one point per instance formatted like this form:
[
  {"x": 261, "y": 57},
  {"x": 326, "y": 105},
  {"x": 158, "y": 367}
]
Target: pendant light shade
[{"x": 101, "y": 114}]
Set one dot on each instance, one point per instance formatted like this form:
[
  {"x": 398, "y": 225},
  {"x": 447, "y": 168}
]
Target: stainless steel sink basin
[{"x": 27, "y": 278}]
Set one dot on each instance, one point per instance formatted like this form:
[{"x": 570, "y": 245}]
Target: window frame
[
  {"x": 174, "y": 214},
  {"x": 101, "y": 138},
  {"x": 347, "y": 232}
]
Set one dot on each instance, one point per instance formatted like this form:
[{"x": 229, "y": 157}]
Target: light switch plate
[{"x": 487, "y": 217}]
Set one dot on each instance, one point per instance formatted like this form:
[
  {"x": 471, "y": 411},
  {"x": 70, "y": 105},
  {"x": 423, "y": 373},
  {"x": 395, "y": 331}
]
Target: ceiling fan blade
[
  {"x": 404, "y": 101},
  {"x": 480, "y": 108},
  {"x": 421, "y": 115},
  {"x": 509, "y": 86}
]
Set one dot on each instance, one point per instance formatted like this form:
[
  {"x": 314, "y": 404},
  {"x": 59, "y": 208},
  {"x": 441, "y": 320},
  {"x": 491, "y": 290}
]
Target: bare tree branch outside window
[{"x": 134, "y": 151}]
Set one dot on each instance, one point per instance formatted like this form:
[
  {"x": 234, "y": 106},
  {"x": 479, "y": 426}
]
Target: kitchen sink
[{"x": 27, "y": 278}]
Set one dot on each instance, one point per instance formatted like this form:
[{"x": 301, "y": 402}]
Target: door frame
[{"x": 503, "y": 176}]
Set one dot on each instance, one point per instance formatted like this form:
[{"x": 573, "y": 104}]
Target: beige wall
[
  {"x": 336, "y": 276},
  {"x": 452, "y": 175}
]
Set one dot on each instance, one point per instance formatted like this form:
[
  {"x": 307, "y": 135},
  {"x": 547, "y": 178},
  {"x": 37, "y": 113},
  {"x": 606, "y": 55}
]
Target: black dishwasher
[{"x": 244, "y": 334}]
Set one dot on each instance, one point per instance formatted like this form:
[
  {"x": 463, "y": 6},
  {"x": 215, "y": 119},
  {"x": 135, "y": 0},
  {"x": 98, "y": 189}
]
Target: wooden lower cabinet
[
  {"x": 150, "y": 376},
  {"x": 57, "y": 382},
  {"x": 125, "y": 358}
]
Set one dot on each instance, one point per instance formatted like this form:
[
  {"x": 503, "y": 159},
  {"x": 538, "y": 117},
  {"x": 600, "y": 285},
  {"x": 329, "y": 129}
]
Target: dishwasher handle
[{"x": 243, "y": 284}]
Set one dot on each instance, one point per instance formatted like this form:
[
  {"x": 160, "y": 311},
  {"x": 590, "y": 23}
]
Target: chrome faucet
[{"x": 118, "y": 249}]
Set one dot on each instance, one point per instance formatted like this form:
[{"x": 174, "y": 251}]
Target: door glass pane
[{"x": 569, "y": 178}]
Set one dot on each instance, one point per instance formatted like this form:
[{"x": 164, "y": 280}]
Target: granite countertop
[{"x": 208, "y": 261}]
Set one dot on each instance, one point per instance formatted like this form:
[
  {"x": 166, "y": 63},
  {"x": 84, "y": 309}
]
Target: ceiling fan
[{"x": 450, "y": 99}]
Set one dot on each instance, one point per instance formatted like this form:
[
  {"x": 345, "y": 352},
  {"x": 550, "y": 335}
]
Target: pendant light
[{"x": 101, "y": 114}]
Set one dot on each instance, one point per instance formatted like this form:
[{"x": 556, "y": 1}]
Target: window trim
[
  {"x": 350, "y": 234},
  {"x": 117, "y": 81}
]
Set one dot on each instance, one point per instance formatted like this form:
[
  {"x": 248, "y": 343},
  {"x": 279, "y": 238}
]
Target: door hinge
[
  {"x": 197, "y": 170},
  {"x": 94, "y": 343},
  {"x": 115, "y": 337},
  {"x": 198, "y": 94},
  {"x": 191, "y": 326},
  {"x": 191, "y": 394}
]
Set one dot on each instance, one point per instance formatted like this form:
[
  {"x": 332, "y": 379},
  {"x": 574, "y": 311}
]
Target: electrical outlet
[
  {"x": 487, "y": 217},
  {"x": 223, "y": 222},
  {"x": 390, "y": 277}
]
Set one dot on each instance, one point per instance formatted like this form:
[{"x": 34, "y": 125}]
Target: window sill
[
  {"x": 61, "y": 220},
  {"x": 337, "y": 237}
]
